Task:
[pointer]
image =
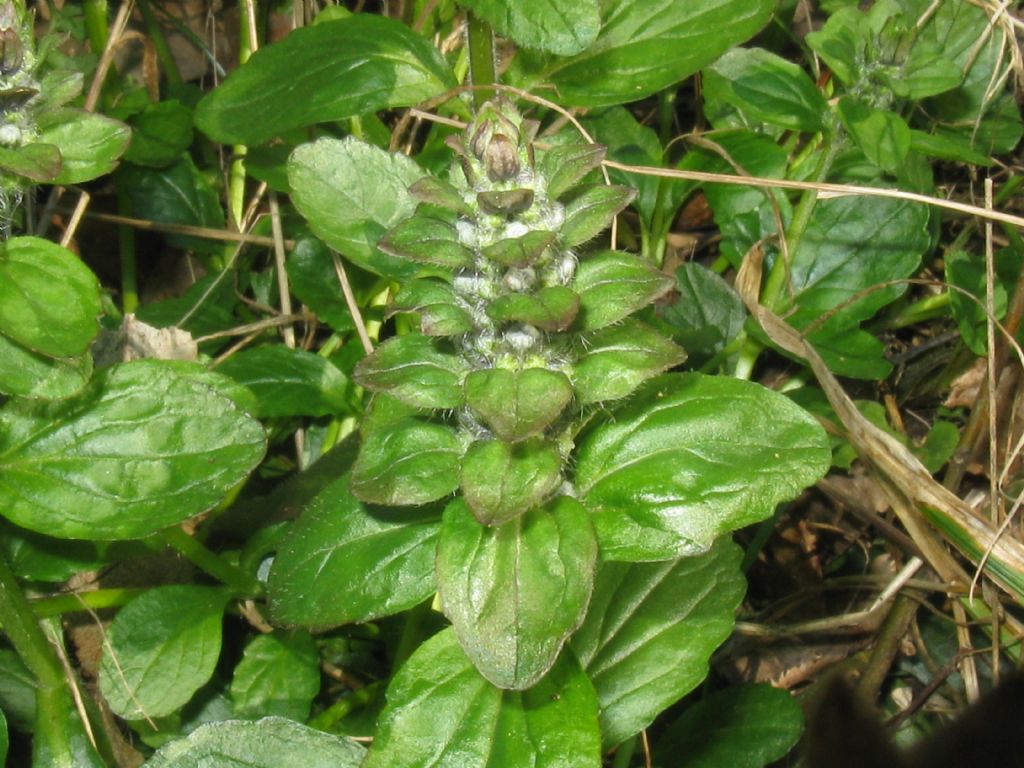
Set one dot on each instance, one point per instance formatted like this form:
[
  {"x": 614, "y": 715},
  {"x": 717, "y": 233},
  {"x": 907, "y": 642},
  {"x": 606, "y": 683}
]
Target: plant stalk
[
  {"x": 241, "y": 583},
  {"x": 481, "y": 58}
]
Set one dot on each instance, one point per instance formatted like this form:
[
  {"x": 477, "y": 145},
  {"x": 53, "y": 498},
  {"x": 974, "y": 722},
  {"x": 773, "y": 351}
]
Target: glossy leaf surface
[
  {"x": 342, "y": 562},
  {"x": 620, "y": 358},
  {"x": 501, "y": 481},
  {"x": 517, "y": 404},
  {"x": 90, "y": 144},
  {"x": 690, "y": 458},
  {"x": 328, "y": 182},
  {"x": 613, "y": 285},
  {"x": 515, "y": 592},
  {"x": 279, "y": 674},
  {"x": 441, "y": 712},
  {"x": 272, "y": 742},
  {"x": 650, "y": 631},
  {"x": 293, "y": 83},
  {"x": 412, "y": 369},
  {"x": 145, "y": 445},
  {"x": 562, "y": 27},
  {"x": 49, "y": 300}
]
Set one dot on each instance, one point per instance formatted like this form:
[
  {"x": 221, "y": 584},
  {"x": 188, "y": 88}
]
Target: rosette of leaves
[{"x": 566, "y": 498}]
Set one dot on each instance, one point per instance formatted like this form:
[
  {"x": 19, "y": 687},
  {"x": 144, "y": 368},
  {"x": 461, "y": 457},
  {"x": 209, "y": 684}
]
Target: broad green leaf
[
  {"x": 36, "y": 162},
  {"x": 707, "y": 314},
  {"x": 439, "y": 192},
  {"x": 160, "y": 133},
  {"x": 160, "y": 649},
  {"x": 591, "y": 210},
  {"x": 90, "y": 144},
  {"x": 178, "y": 194},
  {"x": 947, "y": 146},
  {"x": 565, "y": 165},
  {"x": 294, "y": 83},
  {"x": 410, "y": 462},
  {"x": 342, "y": 562},
  {"x": 644, "y": 47},
  {"x": 744, "y": 726},
  {"x": 852, "y": 244},
  {"x": 17, "y": 691},
  {"x": 279, "y": 674},
  {"x": 883, "y": 136},
  {"x": 650, "y": 631},
  {"x": 442, "y": 312},
  {"x": 313, "y": 279},
  {"x": 620, "y": 358},
  {"x": 144, "y": 446},
  {"x": 967, "y": 273},
  {"x": 517, "y": 404},
  {"x": 412, "y": 369},
  {"x": 329, "y": 182},
  {"x": 519, "y": 251},
  {"x": 550, "y": 309},
  {"x": 289, "y": 382},
  {"x": 613, "y": 285},
  {"x": 501, "y": 481},
  {"x": 692, "y": 457},
  {"x": 36, "y": 557},
  {"x": 562, "y": 27},
  {"x": 28, "y": 374},
  {"x": 272, "y": 742},
  {"x": 427, "y": 239},
  {"x": 3, "y": 738},
  {"x": 516, "y": 592},
  {"x": 841, "y": 43},
  {"x": 768, "y": 89},
  {"x": 440, "y": 712},
  {"x": 49, "y": 299}
]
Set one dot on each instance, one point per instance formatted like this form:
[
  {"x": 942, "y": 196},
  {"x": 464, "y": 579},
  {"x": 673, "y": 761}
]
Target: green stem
[
  {"x": 241, "y": 583},
  {"x": 96, "y": 24},
  {"x": 82, "y": 601},
  {"x": 236, "y": 174},
  {"x": 411, "y": 633},
  {"x": 927, "y": 308},
  {"x": 22, "y": 629},
  {"x": 163, "y": 52},
  {"x": 342, "y": 708},
  {"x": 624, "y": 754},
  {"x": 481, "y": 58},
  {"x": 126, "y": 246}
]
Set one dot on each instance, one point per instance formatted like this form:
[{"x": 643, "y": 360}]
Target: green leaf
[
  {"x": 289, "y": 382},
  {"x": 883, "y": 136},
  {"x": 294, "y": 83},
  {"x": 17, "y": 691},
  {"x": 650, "y": 631},
  {"x": 161, "y": 648},
  {"x": 644, "y": 47},
  {"x": 565, "y": 165},
  {"x": 342, "y": 562},
  {"x": 427, "y": 239},
  {"x": 768, "y": 89},
  {"x": 144, "y": 446},
  {"x": 90, "y": 144},
  {"x": 328, "y": 178},
  {"x": 59, "y": 738},
  {"x": 519, "y": 251},
  {"x": 440, "y": 712},
  {"x": 744, "y": 726},
  {"x": 178, "y": 194},
  {"x": 412, "y": 369},
  {"x": 49, "y": 299},
  {"x": 160, "y": 133},
  {"x": 272, "y": 742},
  {"x": 591, "y": 210},
  {"x": 967, "y": 273},
  {"x": 313, "y": 280},
  {"x": 693, "y": 457},
  {"x": 442, "y": 312},
  {"x": 28, "y": 374},
  {"x": 501, "y": 481},
  {"x": 619, "y": 359},
  {"x": 3, "y": 738},
  {"x": 517, "y": 404},
  {"x": 36, "y": 162},
  {"x": 516, "y": 592},
  {"x": 439, "y": 192},
  {"x": 852, "y": 244},
  {"x": 410, "y": 462},
  {"x": 562, "y": 27},
  {"x": 279, "y": 674},
  {"x": 550, "y": 309},
  {"x": 707, "y": 314},
  {"x": 613, "y": 285},
  {"x": 841, "y": 43}
]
